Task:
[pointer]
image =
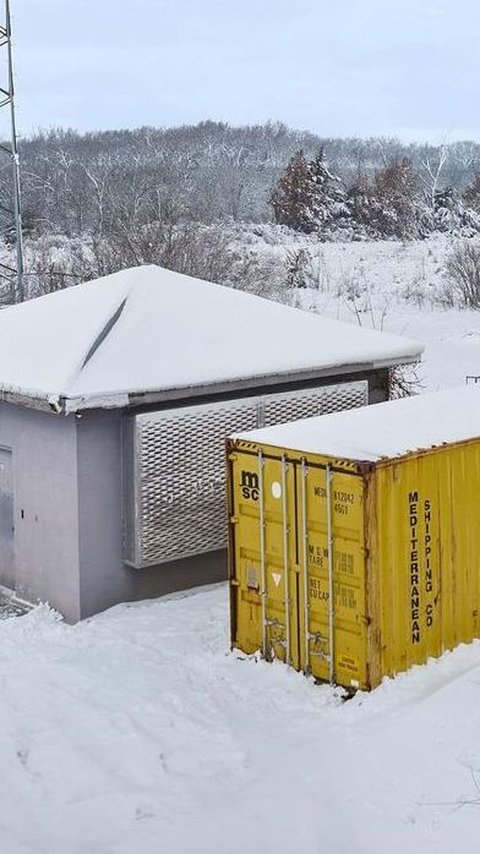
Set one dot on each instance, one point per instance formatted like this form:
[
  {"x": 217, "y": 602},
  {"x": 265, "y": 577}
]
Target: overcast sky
[{"x": 338, "y": 67}]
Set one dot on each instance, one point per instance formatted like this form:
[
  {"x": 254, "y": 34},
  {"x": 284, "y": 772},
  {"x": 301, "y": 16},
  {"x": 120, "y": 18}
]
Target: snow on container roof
[
  {"x": 383, "y": 430},
  {"x": 147, "y": 329}
]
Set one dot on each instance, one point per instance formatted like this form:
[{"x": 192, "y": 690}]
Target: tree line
[
  {"x": 75, "y": 184},
  {"x": 396, "y": 201},
  {"x": 179, "y": 197}
]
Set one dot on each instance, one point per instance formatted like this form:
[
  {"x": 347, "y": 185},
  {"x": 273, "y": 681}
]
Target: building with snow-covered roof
[{"x": 115, "y": 400}]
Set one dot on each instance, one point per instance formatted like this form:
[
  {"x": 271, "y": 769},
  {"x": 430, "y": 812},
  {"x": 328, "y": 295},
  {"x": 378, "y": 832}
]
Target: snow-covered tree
[
  {"x": 452, "y": 214},
  {"x": 390, "y": 205},
  {"x": 331, "y": 212},
  {"x": 309, "y": 197},
  {"x": 297, "y": 263},
  {"x": 471, "y": 195},
  {"x": 293, "y": 200},
  {"x": 396, "y": 195}
]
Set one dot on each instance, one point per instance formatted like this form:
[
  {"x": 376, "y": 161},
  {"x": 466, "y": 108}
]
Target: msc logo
[{"x": 249, "y": 485}]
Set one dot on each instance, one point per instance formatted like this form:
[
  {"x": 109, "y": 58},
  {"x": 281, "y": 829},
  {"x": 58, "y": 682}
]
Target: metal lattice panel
[
  {"x": 180, "y": 478},
  {"x": 177, "y": 472},
  {"x": 279, "y": 408}
]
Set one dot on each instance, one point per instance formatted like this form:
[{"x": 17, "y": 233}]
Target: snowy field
[
  {"x": 137, "y": 732},
  {"x": 399, "y": 288}
]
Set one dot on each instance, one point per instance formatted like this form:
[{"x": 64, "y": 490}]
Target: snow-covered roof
[
  {"x": 384, "y": 430},
  {"x": 147, "y": 329}
]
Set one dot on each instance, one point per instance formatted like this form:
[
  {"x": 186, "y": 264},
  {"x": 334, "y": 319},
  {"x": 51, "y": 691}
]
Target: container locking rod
[
  {"x": 263, "y": 596},
  {"x": 306, "y": 606},
  {"x": 285, "y": 558},
  {"x": 331, "y": 591}
]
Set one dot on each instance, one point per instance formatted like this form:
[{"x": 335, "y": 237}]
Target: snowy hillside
[
  {"x": 399, "y": 288},
  {"x": 137, "y": 731}
]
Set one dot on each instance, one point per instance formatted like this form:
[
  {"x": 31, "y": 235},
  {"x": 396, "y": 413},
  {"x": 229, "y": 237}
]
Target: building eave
[
  {"x": 62, "y": 404},
  {"x": 291, "y": 377},
  {"x": 32, "y": 401}
]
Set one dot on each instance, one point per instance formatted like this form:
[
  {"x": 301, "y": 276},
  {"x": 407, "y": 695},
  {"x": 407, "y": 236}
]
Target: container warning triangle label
[{"x": 277, "y": 577}]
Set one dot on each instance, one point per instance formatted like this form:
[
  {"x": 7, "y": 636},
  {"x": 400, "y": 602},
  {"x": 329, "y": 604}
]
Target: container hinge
[
  {"x": 323, "y": 655},
  {"x": 273, "y": 623},
  {"x": 317, "y": 636}
]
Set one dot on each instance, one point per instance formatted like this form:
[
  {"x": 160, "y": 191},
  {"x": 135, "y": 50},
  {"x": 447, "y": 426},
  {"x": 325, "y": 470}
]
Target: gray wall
[
  {"x": 44, "y": 465},
  {"x": 105, "y": 579}
]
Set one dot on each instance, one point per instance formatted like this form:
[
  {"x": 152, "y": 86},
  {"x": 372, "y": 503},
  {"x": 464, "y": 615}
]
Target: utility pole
[{"x": 7, "y": 100}]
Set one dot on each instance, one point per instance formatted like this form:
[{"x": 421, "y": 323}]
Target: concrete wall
[
  {"x": 105, "y": 579},
  {"x": 44, "y": 463}
]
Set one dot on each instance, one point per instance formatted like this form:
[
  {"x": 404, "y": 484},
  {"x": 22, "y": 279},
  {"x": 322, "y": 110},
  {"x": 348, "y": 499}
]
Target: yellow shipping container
[{"x": 355, "y": 537}]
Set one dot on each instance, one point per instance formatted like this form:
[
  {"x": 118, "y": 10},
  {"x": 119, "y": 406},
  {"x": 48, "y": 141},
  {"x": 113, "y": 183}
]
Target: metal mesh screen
[
  {"x": 279, "y": 408},
  {"x": 178, "y": 467},
  {"x": 180, "y": 478}
]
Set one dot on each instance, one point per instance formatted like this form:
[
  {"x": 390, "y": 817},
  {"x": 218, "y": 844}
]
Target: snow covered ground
[
  {"x": 138, "y": 732},
  {"x": 398, "y": 288}
]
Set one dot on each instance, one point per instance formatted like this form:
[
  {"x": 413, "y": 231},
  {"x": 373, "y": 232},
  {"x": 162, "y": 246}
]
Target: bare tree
[
  {"x": 463, "y": 271},
  {"x": 431, "y": 165}
]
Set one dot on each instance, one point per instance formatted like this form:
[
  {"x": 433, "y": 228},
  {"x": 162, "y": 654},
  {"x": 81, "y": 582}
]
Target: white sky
[{"x": 338, "y": 67}]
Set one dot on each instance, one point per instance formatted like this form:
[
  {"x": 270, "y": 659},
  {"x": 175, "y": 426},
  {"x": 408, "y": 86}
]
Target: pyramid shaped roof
[{"x": 150, "y": 330}]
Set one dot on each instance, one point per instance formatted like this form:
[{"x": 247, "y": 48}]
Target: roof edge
[
  {"x": 47, "y": 403},
  {"x": 145, "y": 398},
  {"x": 121, "y": 400},
  {"x": 140, "y": 398},
  {"x": 394, "y": 363}
]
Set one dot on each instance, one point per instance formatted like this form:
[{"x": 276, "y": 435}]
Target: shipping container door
[
  {"x": 265, "y": 574},
  {"x": 330, "y": 522}
]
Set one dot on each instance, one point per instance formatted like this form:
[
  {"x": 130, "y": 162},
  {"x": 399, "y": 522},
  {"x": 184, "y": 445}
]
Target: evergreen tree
[
  {"x": 308, "y": 197},
  {"x": 360, "y": 201},
  {"x": 471, "y": 194},
  {"x": 330, "y": 209},
  {"x": 453, "y": 215},
  {"x": 293, "y": 199}
]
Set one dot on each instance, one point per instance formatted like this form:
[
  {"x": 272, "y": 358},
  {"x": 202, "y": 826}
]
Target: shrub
[{"x": 463, "y": 271}]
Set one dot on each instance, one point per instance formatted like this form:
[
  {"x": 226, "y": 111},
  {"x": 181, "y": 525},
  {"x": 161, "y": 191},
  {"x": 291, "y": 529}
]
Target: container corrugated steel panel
[{"x": 397, "y": 541}]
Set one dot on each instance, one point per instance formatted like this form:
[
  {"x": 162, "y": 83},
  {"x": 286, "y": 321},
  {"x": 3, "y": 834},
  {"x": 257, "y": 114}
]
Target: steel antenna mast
[{"x": 15, "y": 276}]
